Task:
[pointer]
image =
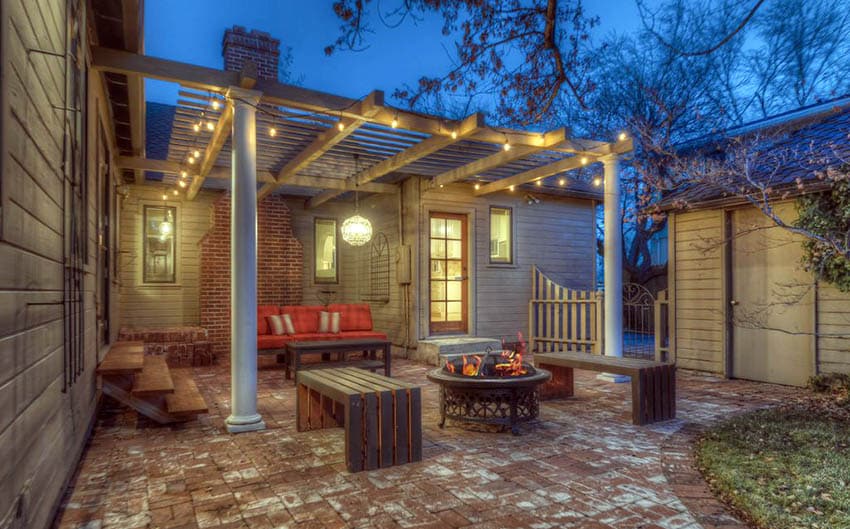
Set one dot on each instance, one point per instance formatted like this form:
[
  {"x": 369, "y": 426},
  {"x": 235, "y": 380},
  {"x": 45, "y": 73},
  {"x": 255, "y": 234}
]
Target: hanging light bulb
[
  {"x": 538, "y": 183},
  {"x": 597, "y": 181},
  {"x": 340, "y": 125},
  {"x": 182, "y": 183},
  {"x": 191, "y": 159},
  {"x": 215, "y": 104},
  {"x": 196, "y": 127},
  {"x": 454, "y": 134},
  {"x": 562, "y": 182},
  {"x": 622, "y": 136},
  {"x": 165, "y": 196},
  {"x": 584, "y": 160},
  {"x": 196, "y": 153},
  {"x": 166, "y": 226},
  {"x": 510, "y": 188},
  {"x": 507, "y": 145},
  {"x": 477, "y": 186},
  {"x": 272, "y": 132},
  {"x": 210, "y": 125},
  {"x": 184, "y": 173},
  {"x": 175, "y": 192},
  {"x": 394, "y": 122}
]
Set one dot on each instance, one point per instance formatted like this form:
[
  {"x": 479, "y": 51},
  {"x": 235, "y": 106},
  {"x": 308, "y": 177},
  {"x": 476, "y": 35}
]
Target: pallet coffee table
[{"x": 335, "y": 353}]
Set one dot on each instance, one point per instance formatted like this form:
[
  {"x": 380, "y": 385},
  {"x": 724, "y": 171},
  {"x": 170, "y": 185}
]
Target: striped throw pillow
[
  {"x": 281, "y": 324},
  {"x": 329, "y": 322}
]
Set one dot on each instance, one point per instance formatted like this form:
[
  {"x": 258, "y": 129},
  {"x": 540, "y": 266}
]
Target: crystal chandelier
[{"x": 356, "y": 230}]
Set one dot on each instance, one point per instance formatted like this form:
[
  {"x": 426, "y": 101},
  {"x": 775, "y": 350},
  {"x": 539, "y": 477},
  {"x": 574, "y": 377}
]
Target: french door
[{"x": 448, "y": 277}]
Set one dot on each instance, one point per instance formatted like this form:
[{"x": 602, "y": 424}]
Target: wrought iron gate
[{"x": 638, "y": 321}]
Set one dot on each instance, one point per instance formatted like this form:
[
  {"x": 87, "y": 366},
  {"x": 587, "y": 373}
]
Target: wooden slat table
[
  {"x": 653, "y": 383},
  {"x": 341, "y": 349},
  {"x": 382, "y": 416}
]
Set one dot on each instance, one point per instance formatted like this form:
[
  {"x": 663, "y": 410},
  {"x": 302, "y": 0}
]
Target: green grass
[{"x": 781, "y": 468}]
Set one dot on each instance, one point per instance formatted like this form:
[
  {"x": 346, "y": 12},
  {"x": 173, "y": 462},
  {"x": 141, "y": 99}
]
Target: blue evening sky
[{"x": 191, "y": 31}]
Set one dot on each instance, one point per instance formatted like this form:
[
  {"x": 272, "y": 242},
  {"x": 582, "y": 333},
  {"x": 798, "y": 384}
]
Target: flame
[
  {"x": 471, "y": 368},
  {"x": 450, "y": 366}
]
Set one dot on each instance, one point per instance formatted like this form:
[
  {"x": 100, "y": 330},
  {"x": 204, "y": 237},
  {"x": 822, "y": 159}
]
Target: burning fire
[{"x": 509, "y": 363}]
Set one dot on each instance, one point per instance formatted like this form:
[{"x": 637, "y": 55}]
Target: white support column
[
  {"x": 243, "y": 264},
  {"x": 613, "y": 265}
]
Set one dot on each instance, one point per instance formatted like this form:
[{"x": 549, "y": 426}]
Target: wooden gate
[{"x": 562, "y": 319}]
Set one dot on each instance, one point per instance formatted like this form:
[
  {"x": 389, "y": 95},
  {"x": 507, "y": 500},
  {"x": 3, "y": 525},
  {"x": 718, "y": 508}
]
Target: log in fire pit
[{"x": 493, "y": 387}]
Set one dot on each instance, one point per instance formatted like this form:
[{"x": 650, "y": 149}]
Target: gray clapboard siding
[
  {"x": 833, "y": 329},
  {"x": 151, "y": 305},
  {"x": 42, "y": 429},
  {"x": 698, "y": 289}
]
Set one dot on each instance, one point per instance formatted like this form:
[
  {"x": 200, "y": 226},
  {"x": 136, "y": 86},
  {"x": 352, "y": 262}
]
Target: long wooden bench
[
  {"x": 382, "y": 417},
  {"x": 653, "y": 383}
]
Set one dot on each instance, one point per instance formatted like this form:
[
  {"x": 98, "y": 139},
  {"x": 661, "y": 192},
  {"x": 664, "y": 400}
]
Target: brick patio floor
[{"x": 582, "y": 465}]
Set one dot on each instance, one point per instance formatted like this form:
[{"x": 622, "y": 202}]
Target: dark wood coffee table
[{"x": 334, "y": 353}]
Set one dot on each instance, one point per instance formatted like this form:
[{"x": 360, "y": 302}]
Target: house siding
[
  {"x": 698, "y": 291},
  {"x": 833, "y": 317},
  {"x": 42, "y": 428},
  {"x": 162, "y": 305}
]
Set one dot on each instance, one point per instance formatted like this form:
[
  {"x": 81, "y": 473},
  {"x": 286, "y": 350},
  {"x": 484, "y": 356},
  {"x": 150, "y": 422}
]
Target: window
[
  {"x": 324, "y": 248},
  {"x": 501, "y": 235},
  {"x": 160, "y": 240}
]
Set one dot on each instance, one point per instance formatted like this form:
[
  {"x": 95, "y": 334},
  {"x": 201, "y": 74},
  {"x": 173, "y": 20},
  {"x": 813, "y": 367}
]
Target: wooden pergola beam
[
  {"x": 561, "y": 166},
  {"x": 467, "y": 127},
  {"x": 275, "y": 93},
  {"x": 224, "y": 173},
  {"x": 219, "y": 137},
  {"x": 132, "y": 14},
  {"x": 500, "y": 158},
  {"x": 324, "y": 142}
]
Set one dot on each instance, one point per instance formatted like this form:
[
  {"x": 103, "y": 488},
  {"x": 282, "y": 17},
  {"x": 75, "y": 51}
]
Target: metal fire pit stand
[{"x": 502, "y": 401}]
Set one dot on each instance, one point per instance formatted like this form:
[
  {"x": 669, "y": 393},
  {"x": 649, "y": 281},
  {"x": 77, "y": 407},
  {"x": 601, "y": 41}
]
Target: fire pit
[{"x": 493, "y": 387}]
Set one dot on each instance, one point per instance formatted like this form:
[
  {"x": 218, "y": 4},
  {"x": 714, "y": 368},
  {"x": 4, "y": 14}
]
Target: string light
[
  {"x": 584, "y": 160},
  {"x": 196, "y": 153},
  {"x": 340, "y": 125},
  {"x": 454, "y": 134},
  {"x": 215, "y": 104},
  {"x": 182, "y": 183},
  {"x": 622, "y": 136},
  {"x": 538, "y": 183},
  {"x": 184, "y": 173},
  {"x": 196, "y": 127},
  {"x": 272, "y": 132},
  {"x": 210, "y": 125},
  {"x": 165, "y": 196},
  {"x": 507, "y": 145},
  {"x": 394, "y": 122},
  {"x": 191, "y": 159},
  {"x": 442, "y": 186},
  {"x": 176, "y": 192},
  {"x": 562, "y": 182},
  {"x": 597, "y": 181},
  {"x": 510, "y": 188},
  {"x": 477, "y": 186}
]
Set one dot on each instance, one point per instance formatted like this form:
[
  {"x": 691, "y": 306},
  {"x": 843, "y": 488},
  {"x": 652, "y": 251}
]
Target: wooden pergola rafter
[{"x": 319, "y": 136}]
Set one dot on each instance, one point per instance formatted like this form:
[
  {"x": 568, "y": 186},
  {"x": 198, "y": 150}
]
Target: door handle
[{"x": 733, "y": 302}]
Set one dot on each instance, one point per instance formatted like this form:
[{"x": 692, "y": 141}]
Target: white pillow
[{"x": 329, "y": 322}]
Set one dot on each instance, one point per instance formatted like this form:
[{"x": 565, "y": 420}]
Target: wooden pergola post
[{"x": 243, "y": 264}]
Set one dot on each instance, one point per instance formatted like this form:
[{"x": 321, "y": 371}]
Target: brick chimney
[{"x": 240, "y": 45}]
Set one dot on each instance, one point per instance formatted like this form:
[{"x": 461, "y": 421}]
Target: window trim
[
  {"x": 323, "y": 281},
  {"x": 511, "y": 235},
  {"x": 175, "y": 246}
]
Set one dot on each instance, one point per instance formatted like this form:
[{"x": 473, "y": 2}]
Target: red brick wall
[
  {"x": 258, "y": 46},
  {"x": 279, "y": 266}
]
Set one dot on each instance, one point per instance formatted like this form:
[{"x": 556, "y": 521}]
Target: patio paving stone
[{"x": 582, "y": 465}]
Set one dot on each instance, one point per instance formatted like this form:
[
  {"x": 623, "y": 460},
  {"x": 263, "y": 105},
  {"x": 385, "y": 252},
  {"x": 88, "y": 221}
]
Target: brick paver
[{"x": 583, "y": 465}]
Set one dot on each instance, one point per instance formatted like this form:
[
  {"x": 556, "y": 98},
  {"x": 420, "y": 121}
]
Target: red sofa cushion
[
  {"x": 262, "y": 312},
  {"x": 362, "y": 334},
  {"x": 353, "y": 316},
  {"x": 305, "y": 318},
  {"x": 271, "y": 341}
]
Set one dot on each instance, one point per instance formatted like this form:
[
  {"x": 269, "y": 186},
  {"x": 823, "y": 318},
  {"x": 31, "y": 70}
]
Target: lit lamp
[{"x": 356, "y": 230}]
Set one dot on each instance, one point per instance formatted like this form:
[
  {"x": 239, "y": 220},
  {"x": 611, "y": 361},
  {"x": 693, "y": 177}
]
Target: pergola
[{"x": 266, "y": 137}]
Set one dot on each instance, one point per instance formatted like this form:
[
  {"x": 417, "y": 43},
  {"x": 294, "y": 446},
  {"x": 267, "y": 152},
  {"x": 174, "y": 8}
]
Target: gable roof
[{"x": 793, "y": 146}]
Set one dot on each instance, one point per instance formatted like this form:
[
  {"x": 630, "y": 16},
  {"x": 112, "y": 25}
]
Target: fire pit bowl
[{"x": 493, "y": 395}]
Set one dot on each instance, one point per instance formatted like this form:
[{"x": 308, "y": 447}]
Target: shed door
[
  {"x": 772, "y": 301},
  {"x": 448, "y": 273}
]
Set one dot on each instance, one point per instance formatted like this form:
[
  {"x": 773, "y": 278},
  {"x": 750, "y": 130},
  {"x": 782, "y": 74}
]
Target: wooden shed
[{"x": 743, "y": 305}]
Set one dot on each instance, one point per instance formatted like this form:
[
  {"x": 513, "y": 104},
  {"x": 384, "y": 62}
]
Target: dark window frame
[
  {"x": 511, "y": 235},
  {"x": 320, "y": 280},
  {"x": 145, "y": 279}
]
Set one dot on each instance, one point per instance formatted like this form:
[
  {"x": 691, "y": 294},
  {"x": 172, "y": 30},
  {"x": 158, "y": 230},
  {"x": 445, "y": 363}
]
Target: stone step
[
  {"x": 186, "y": 401},
  {"x": 154, "y": 378},
  {"x": 123, "y": 358},
  {"x": 432, "y": 349}
]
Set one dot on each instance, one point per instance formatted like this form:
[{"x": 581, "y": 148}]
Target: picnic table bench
[
  {"x": 382, "y": 417},
  {"x": 653, "y": 383}
]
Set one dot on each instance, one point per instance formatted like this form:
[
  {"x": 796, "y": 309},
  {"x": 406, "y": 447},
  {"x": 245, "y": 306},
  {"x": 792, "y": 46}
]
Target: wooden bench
[
  {"x": 653, "y": 383},
  {"x": 382, "y": 416}
]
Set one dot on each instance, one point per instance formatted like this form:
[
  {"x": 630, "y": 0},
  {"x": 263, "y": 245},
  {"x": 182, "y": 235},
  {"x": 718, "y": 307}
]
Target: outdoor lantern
[{"x": 356, "y": 230}]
